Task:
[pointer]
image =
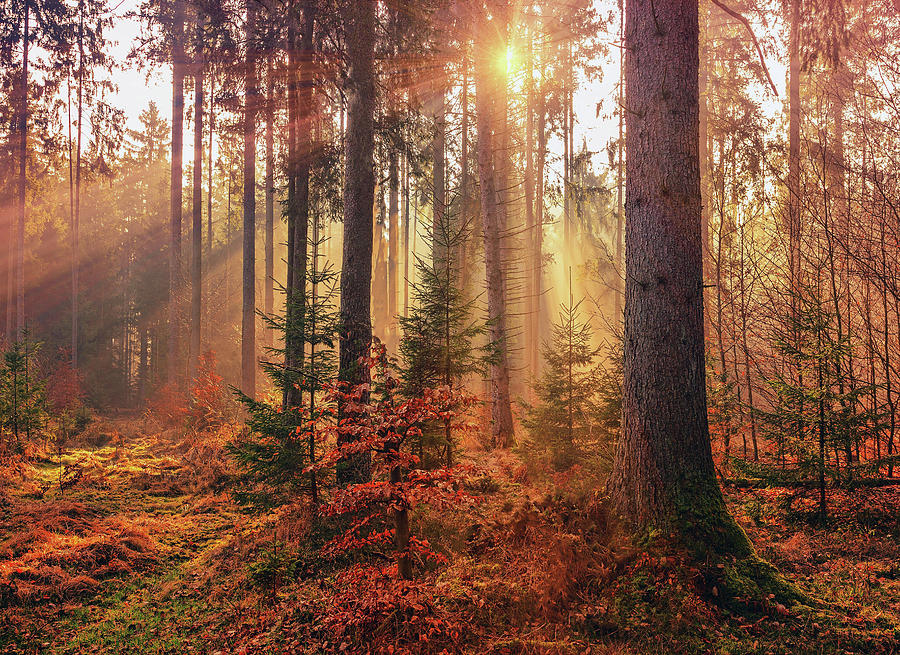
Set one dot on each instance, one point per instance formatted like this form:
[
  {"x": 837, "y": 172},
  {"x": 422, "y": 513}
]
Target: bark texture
[
  {"x": 501, "y": 410},
  {"x": 664, "y": 475},
  {"x": 197, "y": 219},
  {"x": 359, "y": 196},
  {"x": 175, "y": 198},
  {"x": 248, "y": 309}
]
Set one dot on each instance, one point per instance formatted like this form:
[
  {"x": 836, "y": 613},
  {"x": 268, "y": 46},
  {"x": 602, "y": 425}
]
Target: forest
[{"x": 450, "y": 326}]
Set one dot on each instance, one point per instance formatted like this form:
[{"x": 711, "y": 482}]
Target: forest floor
[{"x": 128, "y": 542}]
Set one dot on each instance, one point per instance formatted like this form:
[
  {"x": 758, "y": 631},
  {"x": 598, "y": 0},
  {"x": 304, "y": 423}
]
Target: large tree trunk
[
  {"x": 176, "y": 189},
  {"x": 359, "y": 196},
  {"x": 501, "y": 410},
  {"x": 664, "y": 474},
  {"x": 248, "y": 312},
  {"x": 22, "y": 181},
  {"x": 197, "y": 216}
]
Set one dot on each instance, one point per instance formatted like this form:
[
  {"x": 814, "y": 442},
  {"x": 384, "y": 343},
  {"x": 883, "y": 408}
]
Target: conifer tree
[
  {"x": 281, "y": 442},
  {"x": 566, "y": 414},
  {"x": 440, "y": 335},
  {"x": 813, "y": 413},
  {"x": 23, "y": 404}
]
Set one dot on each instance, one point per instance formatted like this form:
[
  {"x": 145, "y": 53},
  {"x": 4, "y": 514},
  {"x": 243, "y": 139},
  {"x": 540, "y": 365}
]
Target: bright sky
[{"x": 136, "y": 88}]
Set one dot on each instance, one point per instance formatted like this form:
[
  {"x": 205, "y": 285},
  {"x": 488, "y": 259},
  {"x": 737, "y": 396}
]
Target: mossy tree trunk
[{"x": 664, "y": 476}]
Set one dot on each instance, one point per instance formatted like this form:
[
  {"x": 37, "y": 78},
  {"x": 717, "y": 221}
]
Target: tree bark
[
  {"x": 197, "y": 214},
  {"x": 269, "y": 300},
  {"x": 393, "y": 246},
  {"x": 300, "y": 99},
  {"x": 176, "y": 189},
  {"x": 76, "y": 216},
  {"x": 501, "y": 411},
  {"x": 359, "y": 196},
  {"x": 22, "y": 181},
  {"x": 248, "y": 312},
  {"x": 664, "y": 475}
]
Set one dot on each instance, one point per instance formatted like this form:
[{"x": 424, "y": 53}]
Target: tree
[
  {"x": 175, "y": 208},
  {"x": 275, "y": 456},
  {"x": 438, "y": 346},
  {"x": 494, "y": 227},
  {"x": 197, "y": 200},
  {"x": 248, "y": 311},
  {"x": 564, "y": 420},
  {"x": 359, "y": 196},
  {"x": 664, "y": 475}
]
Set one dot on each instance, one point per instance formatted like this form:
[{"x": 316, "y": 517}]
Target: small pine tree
[
  {"x": 569, "y": 411},
  {"x": 23, "y": 403},
  {"x": 814, "y": 410},
  {"x": 440, "y": 339},
  {"x": 276, "y": 452}
]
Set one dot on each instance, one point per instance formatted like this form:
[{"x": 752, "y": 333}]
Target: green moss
[{"x": 713, "y": 538}]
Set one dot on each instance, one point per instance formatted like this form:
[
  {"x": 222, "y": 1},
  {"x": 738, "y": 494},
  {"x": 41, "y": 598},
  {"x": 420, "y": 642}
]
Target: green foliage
[
  {"x": 815, "y": 410},
  {"x": 279, "y": 443},
  {"x": 23, "y": 403},
  {"x": 441, "y": 337},
  {"x": 579, "y": 402}
]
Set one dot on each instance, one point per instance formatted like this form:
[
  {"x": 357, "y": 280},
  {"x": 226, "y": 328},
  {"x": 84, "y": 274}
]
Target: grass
[{"x": 534, "y": 567}]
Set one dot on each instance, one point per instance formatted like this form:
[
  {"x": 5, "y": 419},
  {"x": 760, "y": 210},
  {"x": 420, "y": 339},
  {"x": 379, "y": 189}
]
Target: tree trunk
[
  {"x": 22, "y": 181},
  {"x": 176, "y": 189},
  {"x": 393, "y": 245},
  {"x": 269, "y": 301},
  {"x": 501, "y": 410},
  {"x": 532, "y": 343},
  {"x": 197, "y": 216},
  {"x": 209, "y": 169},
  {"x": 359, "y": 196},
  {"x": 664, "y": 474},
  {"x": 620, "y": 171},
  {"x": 76, "y": 216},
  {"x": 464, "y": 176},
  {"x": 248, "y": 312},
  {"x": 793, "y": 179},
  {"x": 300, "y": 100}
]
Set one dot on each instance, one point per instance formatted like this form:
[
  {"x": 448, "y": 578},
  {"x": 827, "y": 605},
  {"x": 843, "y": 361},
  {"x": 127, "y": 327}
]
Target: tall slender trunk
[
  {"x": 704, "y": 141},
  {"x": 248, "y": 312},
  {"x": 197, "y": 213},
  {"x": 620, "y": 170},
  {"x": 393, "y": 245},
  {"x": 22, "y": 181},
  {"x": 440, "y": 223},
  {"x": 464, "y": 175},
  {"x": 406, "y": 254},
  {"x": 359, "y": 196},
  {"x": 209, "y": 169},
  {"x": 501, "y": 410},
  {"x": 541, "y": 314},
  {"x": 76, "y": 215},
  {"x": 793, "y": 179},
  {"x": 532, "y": 343},
  {"x": 176, "y": 189},
  {"x": 298, "y": 205},
  {"x": 269, "y": 301}
]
